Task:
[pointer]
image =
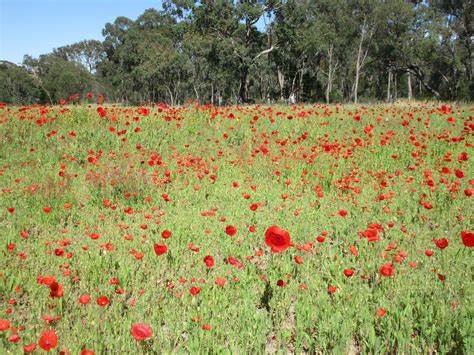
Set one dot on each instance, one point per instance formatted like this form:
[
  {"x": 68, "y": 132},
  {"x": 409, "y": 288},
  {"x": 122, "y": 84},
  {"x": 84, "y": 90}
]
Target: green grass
[{"x": 250, "y": 314}]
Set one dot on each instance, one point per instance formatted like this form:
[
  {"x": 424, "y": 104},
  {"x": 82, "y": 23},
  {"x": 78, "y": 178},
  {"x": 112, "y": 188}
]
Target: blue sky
[{"x": 37, "y": 26}]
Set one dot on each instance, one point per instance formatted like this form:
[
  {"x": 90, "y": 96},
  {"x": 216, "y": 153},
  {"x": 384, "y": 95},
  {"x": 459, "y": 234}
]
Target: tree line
[{"x": 241, "y": 51}]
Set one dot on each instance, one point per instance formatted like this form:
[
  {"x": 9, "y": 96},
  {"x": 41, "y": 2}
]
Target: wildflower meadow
[{"x": 242, "y": 229}]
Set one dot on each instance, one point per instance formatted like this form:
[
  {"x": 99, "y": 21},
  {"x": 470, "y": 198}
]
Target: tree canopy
[{"x": 228, "y": 51}]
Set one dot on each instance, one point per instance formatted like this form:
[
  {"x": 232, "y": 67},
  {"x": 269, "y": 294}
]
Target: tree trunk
[
  {"x": 292, "y": 98},
  {"x": 389, "y": 83},
  {"x": 395, "y": 91},
  {"x": 416, "y": 70},
  {"x": 196, "y": 92},
  {"x": 171, "y": 95},
  {"x": 243, "y": 91},
  {"x": 176, "y": 93},
  {"x": 300, "y": 86},
  {"x": 410, "y": 94},
  {"x": 361, "y": 55},
  {"x": 454, "y": 90},
  {"x": 469, "y": 58},
  {"x": 343, "y": 88},
  {"x": 329, "y": 84},
  {"x": 356, "y": 82},
  {"x": 357, "y": 73},
  {"x": 212, "y": 93},
  {"x": 328, "y": 88},
  {"x": 261, "y": 88},
  {"x": 281, "y": 83}
]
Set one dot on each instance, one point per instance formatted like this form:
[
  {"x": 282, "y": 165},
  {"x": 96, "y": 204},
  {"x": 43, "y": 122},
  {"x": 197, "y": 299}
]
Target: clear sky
[{"x": 37, "y": 26}]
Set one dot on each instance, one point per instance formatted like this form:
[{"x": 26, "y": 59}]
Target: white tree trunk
[
  {"x": 281, "y": 83},
  {"x": 196, "y": 92},
  {"x": 361, "y": 55},
  {"x": 171, "y": 95},
  {"x": 212, "y": 94},
  {"x": 358, "y": 65},
  {"x": 330, "y": 72}
]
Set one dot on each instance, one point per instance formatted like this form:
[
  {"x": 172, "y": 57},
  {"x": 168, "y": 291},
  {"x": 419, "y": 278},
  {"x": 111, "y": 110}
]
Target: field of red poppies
[{"x": 248, "y": 229}]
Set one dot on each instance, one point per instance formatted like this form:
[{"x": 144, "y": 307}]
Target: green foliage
[
  {"x": 17, "y": 86},
  {"x": 269, "y": 50},
  {"x": 88, "y": 53},
  {"x": 59, "y": 78}
]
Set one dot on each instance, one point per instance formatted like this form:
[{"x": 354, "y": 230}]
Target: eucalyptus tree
[{"x": 88, "y": 53}]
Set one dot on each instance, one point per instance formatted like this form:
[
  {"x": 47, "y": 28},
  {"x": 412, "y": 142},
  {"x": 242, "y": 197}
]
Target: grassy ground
[{"x": 85, "y": 198}]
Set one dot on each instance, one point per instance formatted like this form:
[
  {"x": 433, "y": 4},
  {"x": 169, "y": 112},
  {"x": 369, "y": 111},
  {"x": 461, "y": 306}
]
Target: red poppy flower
[
  {"x": 371, "y": 234},
  {"x": 277, "y": 239},
  {"x": 141, "y": 331},
  {"x": 48, "y": 340},
  {"x": 467, "y": 238},
  {"x": 342, "y": 213},
  {"x": 84, "y": 351},
  {"x": 206, "y": 327},
  {"x": 381, "y": 312},
  {"x": 85, "y": 299},
  {"x": 441, "y": 243},
  {"x": 29, "y": 348},
  {"x": 166, "y": 234},
  {"x": 14, "y": 338},
  {"x": 209, "y": 261},
  {"x": 220, "y": 282},
  {"x": 231, "y": 230},
  {"x": 194, "y": 290},
  {"x": 4, "y": 325},
  {"x": 56, "y": 290},
  {"x": 103, "y": 301},
  {"x": 353, "y": 250},
  {"x": 160, "y": 249},
  {"x": 386, "y": 270},
  {"x": 459, "y": 173},
  {"x": 299, "y": 259},
  {"x": 45, "y": 280},
  {"x": 348, "y": 272},
  {"x": 94, "y": 236}
]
